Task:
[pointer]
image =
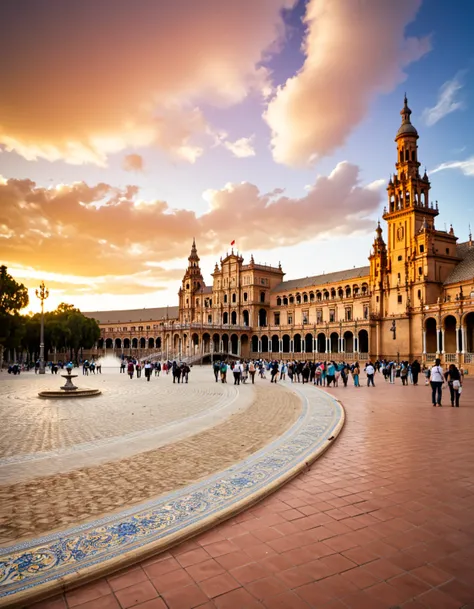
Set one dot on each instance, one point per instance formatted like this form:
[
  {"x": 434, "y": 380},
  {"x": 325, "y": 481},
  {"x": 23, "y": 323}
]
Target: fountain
[{"x": 69, "y": 390}]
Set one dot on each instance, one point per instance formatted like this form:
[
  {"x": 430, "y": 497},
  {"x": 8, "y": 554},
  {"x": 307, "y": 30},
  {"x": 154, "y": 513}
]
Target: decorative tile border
[{"x": 49, "y": 563}]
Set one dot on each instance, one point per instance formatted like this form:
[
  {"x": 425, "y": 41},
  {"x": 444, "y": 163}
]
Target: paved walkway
[{"x": 384, "y": 519}]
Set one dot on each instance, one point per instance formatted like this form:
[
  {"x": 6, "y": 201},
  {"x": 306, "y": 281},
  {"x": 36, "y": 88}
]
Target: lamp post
[{"x": 42, "y": 293}]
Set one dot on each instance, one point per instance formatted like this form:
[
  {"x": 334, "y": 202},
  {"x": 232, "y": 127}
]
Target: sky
[{"x": 130, "y": 127}]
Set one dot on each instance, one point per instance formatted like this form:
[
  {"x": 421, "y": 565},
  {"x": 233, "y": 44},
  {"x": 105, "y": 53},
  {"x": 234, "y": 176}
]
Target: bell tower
[{"x": 191, "y": 285}]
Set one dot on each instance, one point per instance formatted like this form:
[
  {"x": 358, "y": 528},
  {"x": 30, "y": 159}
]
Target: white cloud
[
  {"x": 354, "y": 50},
  {"x": 467, "y": 166},
  {"x": 447, "y": 102},
  {"x": 241, "y": 148}
]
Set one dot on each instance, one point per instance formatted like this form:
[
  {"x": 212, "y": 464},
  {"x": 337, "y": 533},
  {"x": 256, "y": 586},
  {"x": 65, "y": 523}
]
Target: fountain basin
[{"x": 76, "y": 393}]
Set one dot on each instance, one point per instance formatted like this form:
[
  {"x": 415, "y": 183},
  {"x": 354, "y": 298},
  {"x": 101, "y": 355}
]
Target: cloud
[
  {"x": 241, "y": 148},
  {"x": 137, "y": 79},
  {"x": 104, "y": 235},
  {"x": 467, "y": 166},
  {"x": 353, "y": 50},
  {"x": 133, "y": 162},
  {"x": 447, "y": 102}
]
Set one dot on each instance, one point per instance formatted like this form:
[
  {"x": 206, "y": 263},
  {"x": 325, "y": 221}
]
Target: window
[
  {"x": 277, "y": 319},
  {"x": 378, "y": 299},
  {"x": 187, "y": 286},
  {"x": 197, "y": 302},
  {"x": 140, "y": 328},
  {"x": 305, "y": 316},
  {"x": 400, "y": 299},
  {"x": 132, "y": 329},
  {"x": 366, "y": 312},
  {"x": 225, "y": 298},
  {"x": 399, "y": 258},
  {"x": 398, "y": 276},
  {"x": 305, "y": 297},
  {"x": 285, "y": 300},
  {"x": 422, "y": 249},
  {"x": 298, "y": 298},
  {"x": 187, "y": 301},
  {"x": 234, "y": 298},
  {"x": 292, "y": 299},
  {"x": 263, "y": 281},
  {"x": 290, "y": 318},
  {"x": 447, "y": 251},
  {"x": 225, "y": 318},
  {"x": 419, "y": 294},
  {"x": 148, "y": 327},
  {"x": 245, "y": 296},
  {"x": 279, "y": 301},
  {"x": 262, "y": 296},
  {"x": 332, "y": 315},
  {"x": 209, "y": 319},
  {"x": 319, "y": 316},
  {"x": 349, "y": 314}
]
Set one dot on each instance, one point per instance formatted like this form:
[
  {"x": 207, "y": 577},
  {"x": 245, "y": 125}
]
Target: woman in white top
[{"x": 436, "y": 381}]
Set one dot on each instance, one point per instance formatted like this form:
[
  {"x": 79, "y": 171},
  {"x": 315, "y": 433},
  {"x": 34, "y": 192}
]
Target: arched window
[
  {"x": 262, "y": 296},
  {"x": 413, "y": 155},
  {"x": 305, "y": 297},
  {"x": 225, "y": 318},
  {"x": 407, "y": 155},
  {"x": 197, "y": 302},
  {"x": 234, "y": 298},
  {"x": 333, "y": 293},
  {"x": 245, "y": 296},
  {"x": 285, "y": 300},
  {"x": 225, "y": 298},
  {"x": 298, "y": 298},
  {"x": 279, "y": 301},
  {"x": 401, "y": 156},
  {"x": 292, "y": 299},
  {"x": 233, "y": 318}
]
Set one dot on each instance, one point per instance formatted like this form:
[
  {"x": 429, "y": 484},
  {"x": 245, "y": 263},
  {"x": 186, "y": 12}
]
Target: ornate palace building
[{"x": 415, "y": 298}]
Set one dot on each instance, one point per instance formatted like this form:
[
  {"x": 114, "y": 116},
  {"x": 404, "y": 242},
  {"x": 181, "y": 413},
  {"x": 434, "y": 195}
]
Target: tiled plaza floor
[{"x": 384, "y": 519}]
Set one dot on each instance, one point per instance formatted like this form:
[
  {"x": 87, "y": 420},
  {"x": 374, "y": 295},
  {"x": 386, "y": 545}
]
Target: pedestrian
[
  {"x": 185, "y": 370},
  {"x": 331, "y": 374},
  {"x": 224, "y": 372},
  {"x": 415, "y": 371},
  {"x": 130, "y": 369},
  {"x": 274, "y": 372},
  {"x": 148, "y": 370},
  {"x": 436, "y": 381},
  {"x": 454, "y": 377},
  {"x": 216, "y": 367},
  {"x": 404, "y": 373},
  {"x": 356, "y": 374},
  {"x": 252, "y": 372},
  {"x": 370, "y": 371}
]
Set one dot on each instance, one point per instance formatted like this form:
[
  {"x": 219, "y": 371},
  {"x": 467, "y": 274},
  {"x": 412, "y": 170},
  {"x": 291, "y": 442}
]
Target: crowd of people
[{"x": 179, "y": 370}]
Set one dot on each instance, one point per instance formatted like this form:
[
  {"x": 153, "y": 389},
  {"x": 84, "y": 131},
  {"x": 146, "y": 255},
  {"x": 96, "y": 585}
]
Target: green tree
[{"x": 13, "y": 298}]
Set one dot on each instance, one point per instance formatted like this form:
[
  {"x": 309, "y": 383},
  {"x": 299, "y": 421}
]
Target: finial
[
  {"x": 470, "y": 235},
  {"x": 405, "y": 100}
]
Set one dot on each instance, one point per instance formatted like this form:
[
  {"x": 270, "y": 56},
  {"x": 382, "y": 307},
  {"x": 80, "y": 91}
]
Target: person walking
[
  {"x": 130, "y": 369},
  {"x": 216, "y": 368},
  {"x": 436, "y": 381},
  {"x": 252, "y": 372},
  {"x": 356, "y": 374},
  {"x": 454, "y": 377},
  {"x": 415, "y": 371},
  {"x": 370, "y": 371},
  {"x": 237, "y": 370},
  {"x": 148, "y": 370},
  {"x": 274, "y": 372},
  {"x": 404, "y": 373}
]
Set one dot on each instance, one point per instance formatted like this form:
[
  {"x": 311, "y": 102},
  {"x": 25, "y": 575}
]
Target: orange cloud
[
  {"x": 133, "y": 162},
  {"x": 104, "y": 235},
  {"x": 103, "y": 76},
  {"x": 353, "y": 50}
]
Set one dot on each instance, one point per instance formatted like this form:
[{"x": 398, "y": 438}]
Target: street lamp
[{"x": 42, "y": 293}]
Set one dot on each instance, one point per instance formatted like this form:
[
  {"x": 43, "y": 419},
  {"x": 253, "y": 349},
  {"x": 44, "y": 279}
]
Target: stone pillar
[
  {"x": 442, "y": 341},
  {"x": 356, "y": 344},
  {"x": 222, "y": 346},
  {"x": 328, "y": 344},
  {"x": 457, "y": 340},
  {"x": 463, "y": 339},
  {"x": 292, "y": 346},
  {"x": 239, "y": 346},
  {"x": 424, "y": 342},
  {"x": 280, "y": 345},
  {"x": 270, "y": 346},
  {"x": 315, "y": 344},
  {"x": 259, "y": 346}
]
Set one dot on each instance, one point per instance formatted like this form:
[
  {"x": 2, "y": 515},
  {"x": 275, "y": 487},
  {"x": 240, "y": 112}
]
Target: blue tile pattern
[{"x": 30, "y": 564}]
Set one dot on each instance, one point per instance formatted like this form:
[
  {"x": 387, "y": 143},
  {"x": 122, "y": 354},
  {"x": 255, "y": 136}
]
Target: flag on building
[{"x": 232, "y": 242}]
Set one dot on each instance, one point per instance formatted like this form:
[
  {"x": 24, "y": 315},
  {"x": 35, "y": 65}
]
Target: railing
[
  {"x": 469, "y": 358},
  {"x": 451, "y": 358}
]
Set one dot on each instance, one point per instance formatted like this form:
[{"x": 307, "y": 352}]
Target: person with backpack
[
  {"x": 436, "y": 381},
  {"x": 356, "y": 374},
  {"x": 252, "y": 371},
  {"x": 216, "y": 368},
  {"x": 454, "y": 377},
  {"x": 130, "y": 368},
  {"x": 224, "y": 372}
]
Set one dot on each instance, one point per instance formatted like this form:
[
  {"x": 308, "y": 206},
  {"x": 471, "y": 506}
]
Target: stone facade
[{"x": 414, "y": 299}]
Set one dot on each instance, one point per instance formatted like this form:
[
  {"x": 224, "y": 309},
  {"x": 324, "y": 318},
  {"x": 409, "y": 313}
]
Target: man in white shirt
[
  {"x": 436, "y": 381},
  {"x": 370, "y": 371}
]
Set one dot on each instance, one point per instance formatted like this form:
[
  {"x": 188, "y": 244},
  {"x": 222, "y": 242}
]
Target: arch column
[
  {"x": 458, "y": 329},
  {"x": 280, "y": 345},
  {"x": 327, "y": 344},
  {"x": 239, "y": 346},
  {"x": 424, "y": 341},
  {"x": 222, "y": 346},
  {"x": 442, "y": 341},
  {"x": 356, "y": 342},
  {"x": 292, "y": 346},
  {"x": 259, "y": 345},
  {"x": 463, "y": 339},
  {"x": 315, "y": 344}
]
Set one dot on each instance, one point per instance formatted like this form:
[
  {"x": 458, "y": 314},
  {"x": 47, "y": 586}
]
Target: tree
[{"x": 13, "y": 298}]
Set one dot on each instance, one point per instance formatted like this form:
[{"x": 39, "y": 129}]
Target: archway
[
  {"x": 233, "y": 318},
  {"x": 275, "y": 344},
  {"x": 118, "y": 343},
  {"x": 206, "y": 341},
  {"x": 264, "y": 343},
  {"x": 225, "y": 343},
  {"x": 109, "y": 343},
  {"x": 297, "y": 343},
  {"x": 142, "y": 342},
  {"x": 158, "y": 343},
  {"x": 151, "y": 343},
  {"x": 431, "y": 344},
  {"x": 176, "y": 342},
  {"x": 308, "y": 347},
  {"x": 194, "y": 344},
  {"x": 246, "y": 318},
  {"x": 254, "y": 344},
  {"x": 286, "y": 343},
  {"x": 244, "y": 346},
  {"x": 469, "y": 329},
  {"x": 234, "y": 344},
  {"x": 126, "y": 343},
  {"x": 100, "y": 343},
  {"x": 363, "y": 341},
  {"x": 450, "y": 334},
  {"x": 334, "y": 342},
  {"x": 216, "y": 341},
  {"x": 134, "y": 343},
  {"x": 321, "y": 343},
  {"x": 225, "y": 318},
  {"x": 262, "y": 318},
  {"x": 348, "y": 342}
]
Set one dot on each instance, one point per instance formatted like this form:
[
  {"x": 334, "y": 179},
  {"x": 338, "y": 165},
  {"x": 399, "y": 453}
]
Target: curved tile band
[{"x": 41, "y": 567}]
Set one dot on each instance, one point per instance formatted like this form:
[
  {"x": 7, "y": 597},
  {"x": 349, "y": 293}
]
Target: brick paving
[{"x": 384, "y": 519}]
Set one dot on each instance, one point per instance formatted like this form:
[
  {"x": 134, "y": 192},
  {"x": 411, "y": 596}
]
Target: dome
[{"x": 407, "y": 129}]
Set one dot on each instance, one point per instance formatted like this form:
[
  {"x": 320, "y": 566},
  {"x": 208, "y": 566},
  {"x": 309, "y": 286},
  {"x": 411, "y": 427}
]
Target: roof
[
  {"x": 338, "y": 276},
  {"x": 131, "y": 315},
  {"x": 464, "y": 271},
  {"x": 406, "y": 129}
]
